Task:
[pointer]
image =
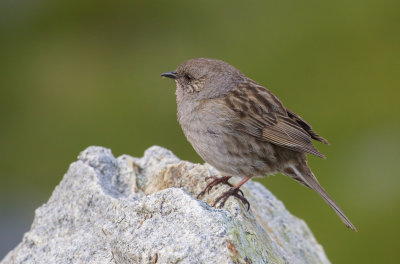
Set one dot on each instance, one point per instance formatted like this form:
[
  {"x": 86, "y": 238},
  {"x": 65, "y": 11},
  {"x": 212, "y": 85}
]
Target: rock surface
[{"x": 143, "y": 210}]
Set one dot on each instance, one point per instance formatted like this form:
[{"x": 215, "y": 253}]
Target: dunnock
[{"x": 242, "y": 129}]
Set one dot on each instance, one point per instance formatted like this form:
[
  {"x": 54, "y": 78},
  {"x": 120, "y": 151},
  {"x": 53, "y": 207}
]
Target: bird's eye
[{"x": 188, "y": 76}]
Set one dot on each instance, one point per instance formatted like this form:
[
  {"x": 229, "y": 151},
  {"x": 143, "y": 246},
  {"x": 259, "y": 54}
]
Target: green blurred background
[{"x": 81, "y": 73}]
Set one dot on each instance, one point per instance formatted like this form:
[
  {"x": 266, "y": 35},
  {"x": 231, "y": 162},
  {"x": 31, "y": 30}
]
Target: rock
[{"x": 144, "y": 210}]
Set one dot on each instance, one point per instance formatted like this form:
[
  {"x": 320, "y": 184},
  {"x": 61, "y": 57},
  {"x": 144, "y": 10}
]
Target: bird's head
[{"x": 204, "y": 78}]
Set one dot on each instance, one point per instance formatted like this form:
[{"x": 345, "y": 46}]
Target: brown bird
[{"x": 242, "y": 129}]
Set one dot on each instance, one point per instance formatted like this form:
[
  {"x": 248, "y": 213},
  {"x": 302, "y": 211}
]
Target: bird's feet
[
  {"x": 215, "y": 181},
  {"x": 231, "y": 192}
]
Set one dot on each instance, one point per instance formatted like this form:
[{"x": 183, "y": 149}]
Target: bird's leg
[
  {"x": 215, "y": 181},
  {"x": 234, "y": 191}
]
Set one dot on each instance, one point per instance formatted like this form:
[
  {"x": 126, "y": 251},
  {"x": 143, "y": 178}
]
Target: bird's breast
[{"x": 229, "y": 151}]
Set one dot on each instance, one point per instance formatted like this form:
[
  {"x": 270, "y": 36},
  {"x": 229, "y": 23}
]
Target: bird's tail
[{"x": 304, "y": 175}]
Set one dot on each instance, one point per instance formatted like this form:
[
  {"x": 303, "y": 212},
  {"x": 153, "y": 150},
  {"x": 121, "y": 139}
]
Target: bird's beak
[{"x": 170, "y": 74}]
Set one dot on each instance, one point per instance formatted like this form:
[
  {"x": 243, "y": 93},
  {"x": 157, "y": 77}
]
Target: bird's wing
[
  {"x": 306, "y": 126},
  {"x": 260, "y": 114}
]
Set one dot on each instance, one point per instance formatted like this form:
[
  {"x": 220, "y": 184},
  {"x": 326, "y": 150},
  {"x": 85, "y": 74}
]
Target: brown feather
[
  {"x": 263, "y": 116},
  {"x": 291, "y": 137},
  {"x": 304, "y": 175},
  {"x": 307, "y": 127}
]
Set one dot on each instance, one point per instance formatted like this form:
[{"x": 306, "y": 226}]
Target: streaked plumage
[{"x": 241, "y": 128}]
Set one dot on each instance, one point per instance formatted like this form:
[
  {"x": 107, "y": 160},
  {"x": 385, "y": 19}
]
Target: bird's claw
[
  {"x": 215, "y": 181},
  {"x": 231, "y": 192}
]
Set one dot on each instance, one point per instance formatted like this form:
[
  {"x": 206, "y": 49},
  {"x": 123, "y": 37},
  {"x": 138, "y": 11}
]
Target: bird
[{"x": 242, "y": 129}]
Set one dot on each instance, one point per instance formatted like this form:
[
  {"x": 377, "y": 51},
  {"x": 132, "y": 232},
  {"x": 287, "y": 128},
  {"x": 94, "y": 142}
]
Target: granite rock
[{"x": 144, "y": 210}]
